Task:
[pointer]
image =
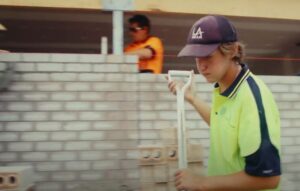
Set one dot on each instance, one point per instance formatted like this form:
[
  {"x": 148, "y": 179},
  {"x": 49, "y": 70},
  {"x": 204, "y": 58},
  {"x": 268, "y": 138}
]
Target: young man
[
  {"x": 148, "y": 48},
  {"x": 243, "y": 118}
]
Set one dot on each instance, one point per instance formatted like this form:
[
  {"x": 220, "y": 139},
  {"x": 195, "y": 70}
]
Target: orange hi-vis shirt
[{"x": 156, "y": 61}]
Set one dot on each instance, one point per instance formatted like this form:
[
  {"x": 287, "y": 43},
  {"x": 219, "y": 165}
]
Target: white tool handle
[{"x": 182, "y": 151}]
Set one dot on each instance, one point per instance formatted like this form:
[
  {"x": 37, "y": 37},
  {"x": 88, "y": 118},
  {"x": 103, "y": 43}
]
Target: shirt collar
[{"x": 232, "y": 89}]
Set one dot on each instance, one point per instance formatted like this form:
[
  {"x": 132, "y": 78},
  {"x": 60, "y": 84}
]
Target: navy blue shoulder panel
[{"x": 266, "y": 160}]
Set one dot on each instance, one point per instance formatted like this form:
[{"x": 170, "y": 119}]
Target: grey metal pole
[{"x": 118, "y": 32}]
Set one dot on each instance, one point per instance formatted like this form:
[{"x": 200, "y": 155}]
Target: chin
[{"x": 209, "y": 80}]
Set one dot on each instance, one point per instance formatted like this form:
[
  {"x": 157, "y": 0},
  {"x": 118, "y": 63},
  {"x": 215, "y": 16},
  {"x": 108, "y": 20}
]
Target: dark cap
[{"x": 207, "y": 34}]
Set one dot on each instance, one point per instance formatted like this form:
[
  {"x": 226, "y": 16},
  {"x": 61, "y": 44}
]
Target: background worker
[
  {"x": 243, "y": 118},
  {"x": 149, "y": 49}
]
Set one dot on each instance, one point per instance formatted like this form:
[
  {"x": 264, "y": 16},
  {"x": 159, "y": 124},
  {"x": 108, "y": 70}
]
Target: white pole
[
  {"x": 104, "y": 45},
  {"x": 118, "y": 32}
]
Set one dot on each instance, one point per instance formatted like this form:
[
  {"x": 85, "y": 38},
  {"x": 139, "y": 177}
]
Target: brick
[
  {"x": 90, "y": 96},
  {"x": 113, "y": 58},
  {"x": 78, "y": 86},
  {"x": 8, "y": 156},
  {"x": 36, "y": 57},
  {"x": 49, "y": 166},
  {"x": 3, "y": 66},
  {"x": 63, "y": 96},
  {"x": 132, "y": 154},
  {"x": 115, "y": 175},
  {"x": 77, "y": 145},
  {"x": 50, "y": 67},
  {"x": 105, "y": 145},
  {"x": 91, "y": 77},
  {"x": 81, "y": 67},
  {"x": 20, "y": 146},
  {"x": 35, "y": 116},
  {"x": 9, "y": 116},
  {"x": 129, "y": 68},
  {"x": 169, "y": 115},
  {"x": 49, "y": 146},
  {"x": 35, "y": 77},
  {"x": 104, "y": 86},
  {"x": 291, "y": 150},
  {"x": 49, "y": 106},
  {"x": 49, "y": 186},
  {"x": 91, "y": 155},
  {"x": 104, "y": 68},
  {"x": 114, "y": 77},
  {"x": 65, "y": 77},
  {"x": 34, "y": 136},
  {"x": 34, "y": 156},
  {"x": 40, "y": 176},
  {"x": 48, "y": 126},
  {"x": 288, "y": 159},
  {"x": 286, "y": 141},
  {"x": 92, "y": 175},
  {"x": 63, "y": 116},
  {"x": 8, "y": 136},
  {"x": 77, "y": 126},
  {"x": 107, "y": 106},
  {"x": 92, "y": 58},
  {"x": 19, "y": 126},
  {"x": 160, "y": 173},
  {"x": 49, "y": 86},
  {"x": 284, "y": 105},
  {"x": 35, "y": 96},
  {"x": 19, "y": 106},
  {"x": 279, "y": 88},
  {"x": 290, "y": 114},
  {"x": 289, "y": 97},
  {"x": 91, "y": 116},
  {"x": 10, "y": 96},
  {"x": 11, "y": 57},
  {"x": 65, "y": 58},
  {"x": 63, "y": 136},
  {"x": 295, "y": 88},
  {"x": 63, "y": 156},
  {"x": 149, "y": 134},
  {"x": 78, "y": 106},
  {"x": 106, "y": 165},
  {"x": 21, "y": 86},
  {"x": 77, "y": 166},
  {"x": 198, "y": 134},
  {"x": 25, "y": 67},
  {"x": 92, "y": 135},
  {"x": 105, "y": 125},
  {"x": 148, "y": 115},
  {"x": 132, "y": 174}
]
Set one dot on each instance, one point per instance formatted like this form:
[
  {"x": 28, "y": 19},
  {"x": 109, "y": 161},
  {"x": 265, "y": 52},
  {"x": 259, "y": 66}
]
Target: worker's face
[
  {"x": 214, "y": 67},
  {"x": 137, "y": 33}
]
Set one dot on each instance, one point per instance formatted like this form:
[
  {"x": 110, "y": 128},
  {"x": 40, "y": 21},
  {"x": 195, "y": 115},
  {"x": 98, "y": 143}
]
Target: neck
[{"x": 230, "y": 76}]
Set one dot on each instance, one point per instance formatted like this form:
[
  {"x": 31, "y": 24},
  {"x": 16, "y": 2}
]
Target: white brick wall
[{"x": 78, "y": 119}]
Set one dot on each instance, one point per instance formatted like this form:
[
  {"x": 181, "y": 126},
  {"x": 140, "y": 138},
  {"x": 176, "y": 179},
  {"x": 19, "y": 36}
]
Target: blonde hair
[{"x": 230, "y": 48}]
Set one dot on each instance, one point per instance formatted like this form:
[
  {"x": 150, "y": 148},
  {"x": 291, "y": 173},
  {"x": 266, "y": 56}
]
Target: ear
[
  {"x": 147, "y": 29},
  {"x": 235, "y": 50}
]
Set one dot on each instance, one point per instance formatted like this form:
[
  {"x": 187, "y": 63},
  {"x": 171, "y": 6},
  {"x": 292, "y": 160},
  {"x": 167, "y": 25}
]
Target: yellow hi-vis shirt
[
  {"x": 156, "y": 62},
  {"x": 244, "y": 129}
]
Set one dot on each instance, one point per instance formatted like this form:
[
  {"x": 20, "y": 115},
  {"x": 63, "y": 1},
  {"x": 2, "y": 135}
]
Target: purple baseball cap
[{"x": 207, "y": 34}]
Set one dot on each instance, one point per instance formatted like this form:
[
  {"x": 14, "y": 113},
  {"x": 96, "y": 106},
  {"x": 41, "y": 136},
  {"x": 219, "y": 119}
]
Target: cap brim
[{"x": 198, "y": 50}]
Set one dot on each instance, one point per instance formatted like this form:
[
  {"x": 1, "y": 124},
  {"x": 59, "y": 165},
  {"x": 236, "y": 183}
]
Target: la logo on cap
[{"x": 197, "y": 34}]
